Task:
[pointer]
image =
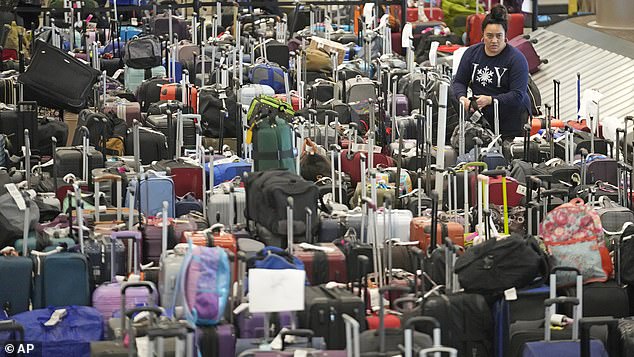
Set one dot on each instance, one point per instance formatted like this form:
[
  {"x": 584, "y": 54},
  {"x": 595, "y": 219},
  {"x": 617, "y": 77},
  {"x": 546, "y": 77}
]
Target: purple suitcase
[
  {"x": 152, "y": 242},
  {"x": 252, "y": 325},
  {"x": 526, "y": 47},
  {"x": 107, "y": 297},
  {"x": 216, "y": 340},
  {"x": 402, "y": 105}
]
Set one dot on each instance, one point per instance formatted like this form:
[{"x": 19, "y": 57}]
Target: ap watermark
[{"x": 20, "y": 348}]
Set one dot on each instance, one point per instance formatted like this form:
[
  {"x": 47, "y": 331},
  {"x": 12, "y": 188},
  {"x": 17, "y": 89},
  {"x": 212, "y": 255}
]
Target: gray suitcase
[{"x": 221, "y": 208}]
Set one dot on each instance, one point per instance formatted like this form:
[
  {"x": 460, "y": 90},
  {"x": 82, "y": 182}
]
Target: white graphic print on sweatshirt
[{"x": 485, "y": 75}]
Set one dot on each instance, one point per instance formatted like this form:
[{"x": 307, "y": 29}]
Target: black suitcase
[
  {"x": 150, "y": 92},
  {"x": 159, "y": 123},
  {"x": 277, "y": 52},
  {"x": 153, "y": 145},
  {"x": 68, "y": 160},
  {"x": 14, "y": 122},
  {"x": 626, "y": 336},
  {"x": 466, "y": 322},
  {"x": 323, "y": 311}
]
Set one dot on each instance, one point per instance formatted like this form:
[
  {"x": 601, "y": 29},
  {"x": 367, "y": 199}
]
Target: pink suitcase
[
  {"x": 123, "y": 109},
  {"x": 402, "y": 105},
  {"x": 525, "y": 45},
  {"x": 107, "y": 298}
]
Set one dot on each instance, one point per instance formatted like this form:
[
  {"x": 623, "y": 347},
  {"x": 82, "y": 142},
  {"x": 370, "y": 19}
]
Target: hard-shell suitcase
[
  {"x": 154, "y": 189},
  {"x": 169, "y": 270},
  {"x": 525, "y": 45},
  {"x": 215, "y": 236},
  {"x": 322, "y": 266},
  {"x": 474, "y": 27},
  {"x": 173, "y": 91},
  {"x": 153, "y": 239},
  {"x": 187, "y": 177},
  {"x": 226, "y": 208},
  {"x": 133, "y": 77},
  {"x": 128, "y": 111},
  {"x": 216, "y": 341},
  {"x": 252, "y": 325},
  {"x": 159, "y": 123},
  {"x": 320, "y": 303},
  {"x": 420, "y": 230},
  {"x": 250, "y": 91},
  {"x": 107, "y": 297}
]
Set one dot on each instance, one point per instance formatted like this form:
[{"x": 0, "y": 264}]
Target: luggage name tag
[{"x": 16, "y": 195}]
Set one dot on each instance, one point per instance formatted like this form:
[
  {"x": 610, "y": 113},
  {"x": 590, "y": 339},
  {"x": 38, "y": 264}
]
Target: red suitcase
[
  {"x": 352, "y": 165},
  {"x": 322, "y": 267},
  {"x": 432, "y": 13},
  {"x": 474, "y": 27},
  {"x": 172, "y": 91},
  {"x": 525, "y": 46},
  {"x": 188, "y": 178}
]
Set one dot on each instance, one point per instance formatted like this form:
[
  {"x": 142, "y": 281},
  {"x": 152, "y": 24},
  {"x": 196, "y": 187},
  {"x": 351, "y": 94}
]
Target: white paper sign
[
  {"x": 527, "y": 6},
  {"x": 433, "y": 53},
  {"x": 276, "y": 290},
  {"x": 589, "y": 104},
  {"x": 457, "y": 57},
  {"x": 407, "y": 35}
]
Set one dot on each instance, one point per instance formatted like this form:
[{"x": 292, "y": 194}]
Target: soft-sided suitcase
[
  {"x": 322, "y": 266},
  {"x": 152, "y": 145},
  {"x": 323, "y": 313},
  {"x": 51, "y": 290},
  {"x": 16, "y": 273},
  {"x": 13, "y": 123},
  {"x": 525, "y": 45},
  {"x": 474, "y": 27},
  {"x": 149, "y": 91},
  {"x": 154, "y": 189},
  {"x": 68, "y": 160}
]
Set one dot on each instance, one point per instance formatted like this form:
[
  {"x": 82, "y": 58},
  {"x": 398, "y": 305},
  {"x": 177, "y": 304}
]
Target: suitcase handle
[
  {"x": 12, "y": 326},
  {"x": 299, "y": 333},
  {"x": 178, "y": 332},
  {"x": 562, "y": 268},
  {"x": 153, "y": 309},
  {"x": 587, "y": 322}
]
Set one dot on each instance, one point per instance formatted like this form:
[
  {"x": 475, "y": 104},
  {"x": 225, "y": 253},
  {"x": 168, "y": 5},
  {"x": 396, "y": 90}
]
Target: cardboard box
[{"x": 329, "y": 46}]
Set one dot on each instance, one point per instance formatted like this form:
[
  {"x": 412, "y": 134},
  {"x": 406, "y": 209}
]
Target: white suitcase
[{"x": 250, "y": 91}]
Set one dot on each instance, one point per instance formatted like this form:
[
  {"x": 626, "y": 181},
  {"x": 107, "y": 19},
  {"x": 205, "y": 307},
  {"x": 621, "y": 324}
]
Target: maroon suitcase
[
  {"x": 152, "y": 242},
  {"x": 525, "y": 46},
  {"x": 123, "y": 109},
  {"x": 323, "y": 267}
]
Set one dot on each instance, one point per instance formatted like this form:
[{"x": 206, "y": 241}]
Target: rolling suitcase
[
  {"x": 16, "y": 272},
  {"x": 474, "y": 27},
  {"x": 152, "y": 144},
  {"x": 133, "y": 77},
  {"x": 187, "y": 177},
  {"x": 525, "y": 45},
  {"x": 323, "y": 262},
  {"x": 14, "y": 123},
  {"x": 108, "y": 297},
  {"x": 128, "y": 111}
]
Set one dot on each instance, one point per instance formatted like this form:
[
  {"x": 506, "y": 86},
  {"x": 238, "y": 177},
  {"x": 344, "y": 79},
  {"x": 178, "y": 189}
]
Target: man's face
[{"x": 494, "y": 39}]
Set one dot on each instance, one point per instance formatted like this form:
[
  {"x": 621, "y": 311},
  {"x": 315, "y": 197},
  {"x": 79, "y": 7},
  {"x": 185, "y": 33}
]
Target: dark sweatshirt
[{"x": 503, "y": 77}]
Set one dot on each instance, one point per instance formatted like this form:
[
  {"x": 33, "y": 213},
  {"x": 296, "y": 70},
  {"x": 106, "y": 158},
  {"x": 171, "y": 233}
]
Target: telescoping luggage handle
[
  {"x": 409, "y": 332},
  {"x": 136, "y": 237},
  {"x": 155, "y": 310},
  {"x": 577, "y": 311},
  {"x": 106, "y": 178},
  {"x": 182, "y": 333}
]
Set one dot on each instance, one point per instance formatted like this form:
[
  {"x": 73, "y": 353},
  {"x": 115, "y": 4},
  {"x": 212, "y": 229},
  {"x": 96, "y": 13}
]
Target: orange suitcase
[
  {"x": 216, "y": 237},
  {"x": 419, "y": 230},
  {"x": 172, "y": 91}
]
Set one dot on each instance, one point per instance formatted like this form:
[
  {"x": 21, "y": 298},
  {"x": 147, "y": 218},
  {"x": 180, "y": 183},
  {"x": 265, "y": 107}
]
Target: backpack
[
  {"x": 573, "y": 235},
  {"x": 205, "y": 281}
]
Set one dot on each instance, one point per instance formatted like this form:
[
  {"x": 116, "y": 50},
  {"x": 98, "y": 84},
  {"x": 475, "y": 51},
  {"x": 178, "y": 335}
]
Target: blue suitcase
[
  {"x": 16, "y": 273},
  {"x": 153, "y": 190},
  {"x": 126, "y": 33},
  {"x": 60, "y": 279},
  {"x": 228, "y": 171}
]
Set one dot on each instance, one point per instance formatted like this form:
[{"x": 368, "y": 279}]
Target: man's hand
[
  {"x": 483, "y": 101},
  {"x": 465, "y": 103}
]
